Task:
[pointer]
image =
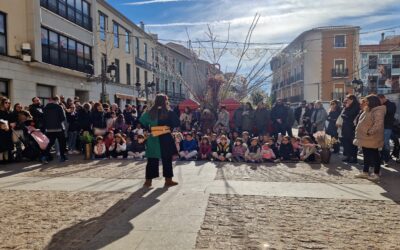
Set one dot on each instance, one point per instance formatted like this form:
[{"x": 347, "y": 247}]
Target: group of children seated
[
  {"x": 121, "y": 146},
  {"x": 244, "y": 149},
  {"x": 195, "y": 146}
]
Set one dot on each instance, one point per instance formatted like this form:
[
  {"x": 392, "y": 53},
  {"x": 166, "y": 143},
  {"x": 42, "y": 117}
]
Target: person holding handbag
[{"x": 160, "y": 120}]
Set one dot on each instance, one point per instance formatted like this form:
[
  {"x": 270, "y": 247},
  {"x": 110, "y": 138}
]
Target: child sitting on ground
[
  {"x": 246, "y": 138},
  {"x": 118, "y": 148},
  {"x": 138, "y": 130},
  {"x": 273, "y": 146},
  {"x": 205, "y": 149},
  {"x": 267, "y": 153},
  {"x": 253, "y": 153},
  {"x": 308, "y": 153},
  {"x": 239, "y": 150},
  {"x": 100, "y": 148},
  {"x": 286, "y": 149},
  {"x": 295, "y": 141},
  {"x": 178, "y": 137},
  {"x": 138, "y": 148},
  {"x": 188, "y": 148},
  {"x": 223, "y": 150},
  {"x": 108, "y": 141},
  {"x": 214, "y": 142}
]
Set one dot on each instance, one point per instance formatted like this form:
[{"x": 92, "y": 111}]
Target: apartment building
[
  {"x": 380, "y": 66},
  {"x": 45, "y": 47},
  {"x": 114, "y": 39},
  {"x": 318, "y": 65},
  {"x": 196, "y": 70},
  {"x": 171, "y": 73}
]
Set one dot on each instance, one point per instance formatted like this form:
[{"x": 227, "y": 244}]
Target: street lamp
[
  {"x": 358, "y": 86},
  {"x": 149, "y": 89},
  {"x": 105, "y": 77}
]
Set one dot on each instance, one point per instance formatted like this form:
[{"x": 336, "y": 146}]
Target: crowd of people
[{"x": 253, "y": 135}]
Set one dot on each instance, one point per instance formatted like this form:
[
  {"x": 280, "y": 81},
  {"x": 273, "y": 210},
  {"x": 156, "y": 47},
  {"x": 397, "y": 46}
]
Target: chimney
[
  {"x": 142, "y": 25},
  {"x": 382, "y": 36}
]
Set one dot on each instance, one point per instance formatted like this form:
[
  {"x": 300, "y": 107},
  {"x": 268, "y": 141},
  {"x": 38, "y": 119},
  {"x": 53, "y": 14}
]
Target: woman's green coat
[{"x": 164, "y": 145}]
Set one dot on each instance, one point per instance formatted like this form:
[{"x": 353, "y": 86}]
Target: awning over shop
[
  {"x": 125, "y": 96},
  {"x": 141, "y": 99},
  {"x": 230, "y": 104},
  {"x": 188, "y": 103}
]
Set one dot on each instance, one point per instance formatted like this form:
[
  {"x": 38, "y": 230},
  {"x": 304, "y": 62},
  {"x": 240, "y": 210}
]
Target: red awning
[
  {"x": 230, "y": 104},
  {"x": 188, "y": 103}
]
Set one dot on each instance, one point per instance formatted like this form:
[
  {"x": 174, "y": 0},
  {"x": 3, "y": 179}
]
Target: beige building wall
[
  {"x": 107, "y": 47},
  {"x": 24, "y": 25},
  {"x": 312, "y": 66}
]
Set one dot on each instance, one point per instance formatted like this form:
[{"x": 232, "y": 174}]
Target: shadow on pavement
[{"x": 110, "y": 226}]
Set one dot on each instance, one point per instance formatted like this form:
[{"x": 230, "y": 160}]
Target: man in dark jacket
[
  {"x": 53, "y": 118},
  {"x": 261, "y": 118},
  {"x": 237, "y": 118},
  {"x": 389, "y": 121},
  {"x": 299, "y": 112},
  {"x": 36, "y": 110},
  {"x": 279, "y": 116}
]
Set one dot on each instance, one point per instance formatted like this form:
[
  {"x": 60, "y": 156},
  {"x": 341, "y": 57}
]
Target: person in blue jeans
[{"x": 389, "y": 122}]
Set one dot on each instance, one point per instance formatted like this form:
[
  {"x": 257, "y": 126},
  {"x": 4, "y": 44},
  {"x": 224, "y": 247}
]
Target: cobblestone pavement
[
  {"x": 290, "y": 172},
  {"x": 258, "y": 222},
  {"x": 28, "y": 219},
  {"x": 117, "y": 169}
]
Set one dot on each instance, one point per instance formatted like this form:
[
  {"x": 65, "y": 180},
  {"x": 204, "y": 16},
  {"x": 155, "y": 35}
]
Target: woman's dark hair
[
  {"x": 355, "y": 101},
  {"x": 160, "y": 108},
  {"x": 373, "y": 101}
]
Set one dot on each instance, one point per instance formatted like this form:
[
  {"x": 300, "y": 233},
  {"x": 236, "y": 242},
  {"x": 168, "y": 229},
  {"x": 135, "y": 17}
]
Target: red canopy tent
[{"x": 188, "y": 103}]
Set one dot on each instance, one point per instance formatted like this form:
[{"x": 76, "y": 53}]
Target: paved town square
[
  {"x": 101, "y": 204},
  {"x": 199, "y": 124}
]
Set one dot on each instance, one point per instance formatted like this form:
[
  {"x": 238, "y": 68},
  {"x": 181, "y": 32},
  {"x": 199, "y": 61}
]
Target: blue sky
[{"x": 281, "y": 20}]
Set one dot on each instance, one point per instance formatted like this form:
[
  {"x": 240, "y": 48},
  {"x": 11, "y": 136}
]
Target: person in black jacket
[
  {"x": 53, "y": 118},
  {"x": 299, "y": 112},
  {"x": 98, "y": 119},
  {"x": 279, "y": 116},
  {"x": 84, "y": 118},
  {"x": 348, "y": 114},
  {"x": 286, "y": 152},
  {"x": 36, "y": 110},
  {"x": 73, "y": 129},
  {"x": 333, "y": 115},
  {"x": 389, "y": 121}
]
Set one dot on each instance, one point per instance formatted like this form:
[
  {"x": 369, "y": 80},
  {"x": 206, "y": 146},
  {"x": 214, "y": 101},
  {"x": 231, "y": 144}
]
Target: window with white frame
[
  {"x": 3, "y": 34},
  {"x": 127, "y": 41},
  {"x": 116, "y": 34},
  {"x": 340, "y": 41},
  {"x": 103, "y": 26}
]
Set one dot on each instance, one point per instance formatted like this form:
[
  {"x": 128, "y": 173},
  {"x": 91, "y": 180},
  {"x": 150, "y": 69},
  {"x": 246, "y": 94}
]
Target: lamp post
[
  {"x": 358, "y": 86},
  {"x": 148, "y": 89},
  {"x": 105, "y": 77}
]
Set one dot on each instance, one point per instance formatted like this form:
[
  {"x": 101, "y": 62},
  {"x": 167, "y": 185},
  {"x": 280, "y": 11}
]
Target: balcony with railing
[
  {"x": 340, "y": 72},
  {"x": 80, "y": 17}
]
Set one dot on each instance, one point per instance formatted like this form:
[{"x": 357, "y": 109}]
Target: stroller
[{"x": 31, "y": 143}]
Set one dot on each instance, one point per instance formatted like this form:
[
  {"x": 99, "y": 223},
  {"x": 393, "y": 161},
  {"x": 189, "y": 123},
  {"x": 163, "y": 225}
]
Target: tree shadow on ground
[{"x": 112, "y": 225}]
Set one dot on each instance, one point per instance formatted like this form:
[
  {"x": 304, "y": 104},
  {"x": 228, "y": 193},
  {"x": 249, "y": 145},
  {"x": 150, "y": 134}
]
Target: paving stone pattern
[
  {"x": 290, "y": 172},
  {"x": 116, "y": 169},
  {"x": 29, "y": 219},
  {"x": 258, "y": 222}
]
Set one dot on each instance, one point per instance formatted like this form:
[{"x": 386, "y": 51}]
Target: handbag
[{"x": 160, "y": 130}]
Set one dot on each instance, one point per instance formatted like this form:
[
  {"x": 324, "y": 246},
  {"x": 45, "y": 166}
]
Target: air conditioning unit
[{"x": 26, "y": 52}]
